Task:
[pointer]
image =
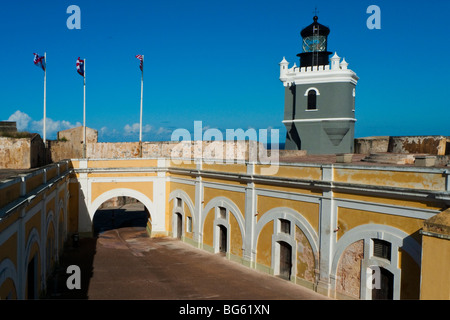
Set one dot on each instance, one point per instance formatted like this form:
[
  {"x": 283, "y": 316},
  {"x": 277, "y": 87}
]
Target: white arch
[
  {"x": 186, "y": 199},
  {"x": 8, "y": 271},
  {"x": 60, "y": 234},
  {"x": 228, "y": 204},
  {"x": 297, "y": 218},
  {"x": 33, "y": 237},
  {"x": 120, "y": 192},
  {"x": 50, "y": 220},
  {"x": 300, "y": 221},
  {"x": 314, "y": 89},
  {"x": 397, "y": 238}
]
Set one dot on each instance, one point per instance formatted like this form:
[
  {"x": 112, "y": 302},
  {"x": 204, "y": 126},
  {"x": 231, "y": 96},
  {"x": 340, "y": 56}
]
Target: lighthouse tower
[{"x": 319, "y": 111}]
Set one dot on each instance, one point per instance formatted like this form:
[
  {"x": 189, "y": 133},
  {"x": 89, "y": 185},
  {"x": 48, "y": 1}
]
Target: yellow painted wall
[
  {"x": 237, "y": 197},
  {"x": 405, "y": 179},
  {"x": 51, "y": 206},
  {"x": 123, "y": 174},
  {"x": 309, "y": 173},
  {"x": 34, "y": 182},
  {"x": 6, "y": 222},
  {"x": 73, "y": 208},
  {"x": 235, "y": 237},
  {"x": 351, "y": 218},
  {"x": 305, "y": 257},
  {"x": 232, "y": 168},
  {"x": 410, "y": 280},
  {"x": 435, "y": 269},
  {"x": 297, "y": 190},
  {"x": 98, "y": 188},
  {"x": 8, "y": 288},
  {"x": 8, "y": 250},
  {"x": 189, "y": 189},
  {"x": 117, "y": 163},
  {"x": 388, "y": 200},
  {"x": 34, "y": 222},
  {"x": 208, "y": 228},
  {"x": 51, "y": 173},
  {"x": 50, "y": 238},
  {"x": 187, "y": 213},
  {"x": 310, "y": 211},
  {"x": 264, "y": 246},
  {"x": 9, "y": 194}
]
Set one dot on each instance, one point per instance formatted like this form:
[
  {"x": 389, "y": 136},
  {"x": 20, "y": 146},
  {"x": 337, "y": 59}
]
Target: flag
[
  {"x": 141, "y": 66},
  {"x": 39, "y": 61},
  {"x": 80, "y": 66}
]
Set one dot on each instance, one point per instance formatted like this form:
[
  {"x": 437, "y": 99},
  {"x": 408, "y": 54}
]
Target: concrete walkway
[{"x": 126, "y": 264}]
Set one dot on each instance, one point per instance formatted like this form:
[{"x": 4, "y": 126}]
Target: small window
[
  {"x": 189, "y": 224},
  {"x": 222, "y": 213},
  {"x": 382, "y": 249},
  {"x": 285, "y": 226},
  {"x": 312, "y": 100},
  {"x": 179, "y": 202}
]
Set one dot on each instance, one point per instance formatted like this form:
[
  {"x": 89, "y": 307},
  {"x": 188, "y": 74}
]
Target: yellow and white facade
[
  {"x": 319, "y": 225},
  {"x": 33, "y": 229}
]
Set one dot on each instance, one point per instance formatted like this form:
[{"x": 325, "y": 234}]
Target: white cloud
[
  {"x": 163, "y": 131},
  {"x": 21, "y": 119},
  {"x": 134, "y": 129},
  {"x": 51, "y": 126},
  {"x": 26, "y": 123}
]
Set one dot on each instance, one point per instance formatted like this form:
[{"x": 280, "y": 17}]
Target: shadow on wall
[{"x": 79, "y": 253}]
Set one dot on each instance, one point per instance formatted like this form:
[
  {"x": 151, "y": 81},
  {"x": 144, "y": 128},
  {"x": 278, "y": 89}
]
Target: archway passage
[{"x": 121, "y": 212}]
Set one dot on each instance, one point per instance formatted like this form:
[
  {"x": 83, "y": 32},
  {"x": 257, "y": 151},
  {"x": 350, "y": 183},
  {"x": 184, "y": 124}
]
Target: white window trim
[{"x": 312, "y": 88}]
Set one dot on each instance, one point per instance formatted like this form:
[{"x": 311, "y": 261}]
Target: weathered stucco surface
[
  {"x": 349, "y": 270},
  {"x": 435, "y": 145},
  {"x": 305, "y": 260}
]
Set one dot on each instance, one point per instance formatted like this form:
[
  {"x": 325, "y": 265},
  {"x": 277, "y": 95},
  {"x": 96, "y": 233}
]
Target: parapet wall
[
  {"x": 22, "y": 153},
  {"x": 241, "y": 150},
  {"x": 434, "y": 145}
]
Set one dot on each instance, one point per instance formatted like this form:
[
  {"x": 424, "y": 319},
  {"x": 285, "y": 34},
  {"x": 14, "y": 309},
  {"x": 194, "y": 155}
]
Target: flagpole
[
  {"x": 84, "y": 109},
  {"x": 45, "y": 98},
  {"x": 142, "y": 96}
]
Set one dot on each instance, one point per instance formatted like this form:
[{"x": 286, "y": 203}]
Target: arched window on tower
[{"x": 312, "y": 100}]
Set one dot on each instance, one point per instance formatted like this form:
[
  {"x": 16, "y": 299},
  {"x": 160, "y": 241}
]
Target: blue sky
[{"x": 217, "y": 62}]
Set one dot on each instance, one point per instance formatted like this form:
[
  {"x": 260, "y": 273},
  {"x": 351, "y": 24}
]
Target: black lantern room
[{"x": 314, "y": 45}]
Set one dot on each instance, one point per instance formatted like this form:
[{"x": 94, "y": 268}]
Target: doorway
[
  {"x": 222, "y": 239},
  {"x": 285, "y": 260},
  {"x": 179, "y": 222},
  {"x": 387, "y": 286}
]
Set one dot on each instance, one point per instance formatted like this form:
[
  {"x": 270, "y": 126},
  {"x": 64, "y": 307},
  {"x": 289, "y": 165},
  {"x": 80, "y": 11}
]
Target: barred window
[{"x": 382, "y": 249}]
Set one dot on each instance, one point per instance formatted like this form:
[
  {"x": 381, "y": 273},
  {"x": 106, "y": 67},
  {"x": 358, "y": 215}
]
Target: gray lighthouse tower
[{"x": 319, "y": 111}]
